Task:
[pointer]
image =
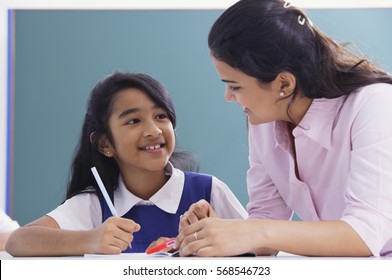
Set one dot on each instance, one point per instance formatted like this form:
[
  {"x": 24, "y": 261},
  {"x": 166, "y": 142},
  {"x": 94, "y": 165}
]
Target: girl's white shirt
[
  {"x": 83, "y": 211},
  {"x": 6, "y": 223}
]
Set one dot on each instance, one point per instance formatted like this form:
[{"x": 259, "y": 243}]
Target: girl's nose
[{"x": 152, "y": 130}]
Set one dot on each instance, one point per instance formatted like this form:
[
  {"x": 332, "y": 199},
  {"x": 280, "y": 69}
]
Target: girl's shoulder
[
  {"x": 89, "y": 190},
  {"x": 196, "y": 174},
  {"x": 84, "y": 196}
]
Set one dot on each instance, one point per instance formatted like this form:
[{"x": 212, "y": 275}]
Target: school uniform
[
  {"x": 6, "y": 223},
  {"x": 86, "y": 211},
  {"x": 344, "y": 161}
]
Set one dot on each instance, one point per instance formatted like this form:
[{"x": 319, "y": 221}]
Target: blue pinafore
[{"x": 157, "y": 223}]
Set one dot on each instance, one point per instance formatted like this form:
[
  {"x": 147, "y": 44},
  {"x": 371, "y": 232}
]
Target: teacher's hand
[{"x": 214, "y": 237}]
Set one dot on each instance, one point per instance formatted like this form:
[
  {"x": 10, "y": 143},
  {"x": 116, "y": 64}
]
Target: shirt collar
[
  {"x": 317, "y": 124},
  {"x": 319, "y": 120},
  {"x": 167, "y": 198}
]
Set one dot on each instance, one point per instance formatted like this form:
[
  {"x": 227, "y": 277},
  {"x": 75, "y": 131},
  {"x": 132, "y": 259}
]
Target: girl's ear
[{"x": 104, "y": 146}]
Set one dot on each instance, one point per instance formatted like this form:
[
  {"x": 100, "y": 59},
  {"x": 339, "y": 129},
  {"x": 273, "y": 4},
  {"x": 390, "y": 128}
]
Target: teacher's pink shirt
[{"x": 344, "y": 155}]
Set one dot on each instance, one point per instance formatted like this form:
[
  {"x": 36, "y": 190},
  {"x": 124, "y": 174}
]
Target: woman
[{"x": 320, "y": 140}]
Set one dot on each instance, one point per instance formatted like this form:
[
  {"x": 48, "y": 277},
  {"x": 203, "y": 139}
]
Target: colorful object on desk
[{"x": 161, "y": 247}]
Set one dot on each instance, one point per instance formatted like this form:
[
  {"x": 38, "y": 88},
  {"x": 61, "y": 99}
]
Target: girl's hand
[
  {"x": 198, "y": 211},
  {"x": 159, "y": 241},
  {"x": 112, "y": 237}
]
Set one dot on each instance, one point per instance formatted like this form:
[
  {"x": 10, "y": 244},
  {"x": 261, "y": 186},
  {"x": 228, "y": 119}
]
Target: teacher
[{"x": 320, "y": 140}]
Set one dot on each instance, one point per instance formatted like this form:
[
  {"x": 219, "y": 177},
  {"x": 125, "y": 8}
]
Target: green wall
[{"x": 60, "y": 55}]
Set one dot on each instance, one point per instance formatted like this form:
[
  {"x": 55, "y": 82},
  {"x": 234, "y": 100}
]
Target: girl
[
  {"x": 128, "y": 135},
  {"x": 320, "y": 140}
]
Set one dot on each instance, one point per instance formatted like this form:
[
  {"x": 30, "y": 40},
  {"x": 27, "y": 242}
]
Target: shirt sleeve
[
  {"x": 225, "y": 203},
  {"x": 369, "y": 185},
  {"x": 81, "y": 212},
  {"x": 6, "y": 223},
  {"x": 265, "y": 200}
]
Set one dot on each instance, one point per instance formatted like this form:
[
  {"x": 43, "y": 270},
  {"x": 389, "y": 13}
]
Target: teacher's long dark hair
[
  {"x": 98, "y": 111},
  {"x": 263, "y": 38}
]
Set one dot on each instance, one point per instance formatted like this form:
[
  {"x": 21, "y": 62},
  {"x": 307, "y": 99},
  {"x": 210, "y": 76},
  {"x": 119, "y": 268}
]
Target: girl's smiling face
[{"x": 142, "y": 133}]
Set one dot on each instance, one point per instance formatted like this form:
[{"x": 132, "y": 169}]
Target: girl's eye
[
  {"x": 162, "y": 116},
  {"x": 133, "y": 121}
]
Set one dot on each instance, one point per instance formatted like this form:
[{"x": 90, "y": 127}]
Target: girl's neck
[{"x": 144, "y": 184}]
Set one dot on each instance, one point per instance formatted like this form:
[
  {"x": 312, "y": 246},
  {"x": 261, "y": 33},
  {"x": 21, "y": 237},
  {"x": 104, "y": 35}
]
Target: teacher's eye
[{"x": 234, "y": 88}]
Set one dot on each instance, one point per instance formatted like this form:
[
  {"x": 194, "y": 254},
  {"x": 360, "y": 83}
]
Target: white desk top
[{"x": 4, "y": 255}]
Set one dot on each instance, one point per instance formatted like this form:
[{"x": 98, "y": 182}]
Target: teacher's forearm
[{"x": 321, "y": 238}]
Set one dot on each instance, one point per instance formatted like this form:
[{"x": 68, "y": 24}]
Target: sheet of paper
[{"x": 132, "y": 255}]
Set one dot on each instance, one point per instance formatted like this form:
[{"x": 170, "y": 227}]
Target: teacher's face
[{"x": 260, "y": 102}]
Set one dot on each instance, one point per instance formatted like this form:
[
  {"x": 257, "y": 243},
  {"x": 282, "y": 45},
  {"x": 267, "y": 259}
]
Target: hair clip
[
  {"x": 286, "y": 4},
  {"x": 301, "y": 20}
]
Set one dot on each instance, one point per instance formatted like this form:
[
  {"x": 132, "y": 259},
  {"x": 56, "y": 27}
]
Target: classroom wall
[{"x": 60, "y": 55}]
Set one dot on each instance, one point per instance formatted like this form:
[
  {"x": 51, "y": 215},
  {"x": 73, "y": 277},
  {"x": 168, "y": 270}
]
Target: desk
[
  {"x": 283, "y": 266},
  {"x": 4, "y": 256}
]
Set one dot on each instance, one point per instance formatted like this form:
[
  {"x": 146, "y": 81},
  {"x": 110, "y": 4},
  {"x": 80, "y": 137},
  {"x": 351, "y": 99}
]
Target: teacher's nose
[{"x": 229, "y": 96}]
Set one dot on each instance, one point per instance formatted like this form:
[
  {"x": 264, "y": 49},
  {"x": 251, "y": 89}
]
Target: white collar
[{"x": 167, "y": 198}]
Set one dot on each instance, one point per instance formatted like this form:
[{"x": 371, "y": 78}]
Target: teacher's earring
[{"x": 281, "y": 93}]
